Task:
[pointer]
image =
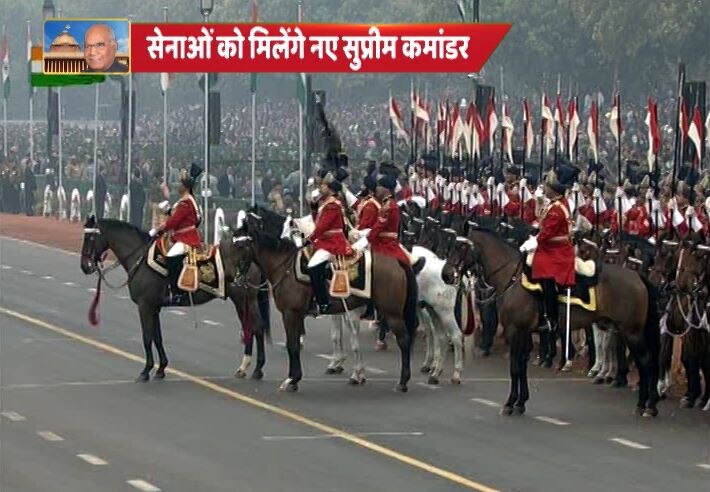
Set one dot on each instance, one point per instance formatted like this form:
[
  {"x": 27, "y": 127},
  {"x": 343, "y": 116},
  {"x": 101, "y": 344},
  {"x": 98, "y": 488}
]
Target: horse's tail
[
  {"x": 652, "y": 331},
  {"x": 410, "y": 302}
]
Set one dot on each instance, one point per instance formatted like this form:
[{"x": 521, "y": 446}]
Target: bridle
[
  {"x": 98, "y": 259},
  {"x": 240, "y": 277}
]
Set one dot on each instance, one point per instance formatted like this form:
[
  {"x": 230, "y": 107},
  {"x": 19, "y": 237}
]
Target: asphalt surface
[{"x": 72, "y": 419}]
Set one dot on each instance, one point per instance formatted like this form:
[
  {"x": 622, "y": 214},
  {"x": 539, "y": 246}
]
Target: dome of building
[{"x": 65, "y": 43}]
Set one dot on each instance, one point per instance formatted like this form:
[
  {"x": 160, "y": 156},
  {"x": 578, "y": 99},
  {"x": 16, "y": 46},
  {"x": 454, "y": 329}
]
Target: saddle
[
  {"x": 584, "y": 292},
  {"x": 358, "y": 269},
  {"x": 202, "y": 270}
]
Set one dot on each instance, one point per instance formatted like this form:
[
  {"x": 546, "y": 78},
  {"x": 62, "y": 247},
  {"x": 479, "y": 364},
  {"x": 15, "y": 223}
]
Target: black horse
[{"x": 147, "y": 288}]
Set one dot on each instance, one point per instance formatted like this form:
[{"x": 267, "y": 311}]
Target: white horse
[
  {"x": 437, "y": 300},
  {"x": 75, "y": 206}
]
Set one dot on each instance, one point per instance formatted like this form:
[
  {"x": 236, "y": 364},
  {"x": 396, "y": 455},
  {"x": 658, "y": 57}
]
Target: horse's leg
[
  {"x": 440, "y": 341},
  {"x": 514, "y": 341},
  {"x": 597, "y": 351},
  {"x": 260, "y": 353},
  {"x": 248, "y": 339},
  {"x": 591, "y": 349},
  {"x": 158, "y": 342},
  {"x": 705, "y": 368},
  {"x": 666, "y": 355},
  {"x": 145, "y": 312},
  {"x": 449, "y": 322},
  {"x": 404, "y": 340},
  {"x": 358, "y": 374},
  {"x": 335, "y": 366},
  {"x": 691, "y": 373},
  {"x": 293, "y": 324},
  {"x": 622, "y": 363},
  {"x": 430, "y": 342},
  {"x": 523, "y": 389}
]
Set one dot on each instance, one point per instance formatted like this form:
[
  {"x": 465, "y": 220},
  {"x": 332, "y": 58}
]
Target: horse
[
  {"x": 394, "y": 290},
  {"x": 147, "y": 288},
  {"x": 686, "y": 316},
  {"x": 486, "y": 256}
]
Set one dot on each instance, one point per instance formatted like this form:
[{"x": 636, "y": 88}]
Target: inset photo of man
[{"x": 73, "y": 46}]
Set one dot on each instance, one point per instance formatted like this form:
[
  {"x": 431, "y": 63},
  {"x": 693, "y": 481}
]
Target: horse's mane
[
  {"x": 270, "y": 236},
  {"x": 496, "y": 235},
  {"x": 121, "y": 226}
]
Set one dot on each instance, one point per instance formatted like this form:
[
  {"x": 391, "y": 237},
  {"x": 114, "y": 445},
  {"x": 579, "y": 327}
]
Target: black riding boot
[
  {"x": 551, "y": 317},
  {"x": 174, "y": 264},
  {"x": 320, "y": 291}
]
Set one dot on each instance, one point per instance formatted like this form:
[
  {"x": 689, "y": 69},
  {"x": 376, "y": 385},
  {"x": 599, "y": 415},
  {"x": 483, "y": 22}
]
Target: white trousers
[
  {"x": 319, "y": 257},
  {"x": 177, "y": 249}
]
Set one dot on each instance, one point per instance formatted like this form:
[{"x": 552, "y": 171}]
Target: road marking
[
  {"x": 704, "y": 466},
  {"x": 40, "y": 245},
  {"x": 485, "y": 402},
  {"x": 428, "y": 386},
  {"x": 551, "y": 420},
  {"x": 6, "y": 267},
  {"x": 13, "y": 416},
  {"x": 91, "y": 289},
  {"x": 69, "y": 284},
  {"x": 92, "y": 460},
  {"x": 49, "y": 436},
  {"x": 26, "y": 272},
  {"x": 630, "y": 444},
  {"x": 142, "y": 485},
  {"x": 331, "y": 436},
  {"x": 212, "y": 323},
  {"x": 325, "y": 356},
  {"x": 282, "y": 412},
  {"x": 375, "y": 370},
  {"x": 121, "y": 296},
  {"x": 47, "y": 277},
  {"x": 177, "y": 312}
]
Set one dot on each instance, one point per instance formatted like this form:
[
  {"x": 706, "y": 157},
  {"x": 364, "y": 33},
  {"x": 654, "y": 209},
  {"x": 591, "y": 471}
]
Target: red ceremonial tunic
[
  {"x": 683, "y": 228},
  {"x": 384, "y": 236},
  {"x": 367, "y": 213},
  {"x": 587, "y": 211},
  {"x": 512, "y": 208},
  {"x": 328, "y": 233},
  {"x": 637, "y": 221},
  {"x": 183, "y": 221},
  {"x": 554, "y": 257}
]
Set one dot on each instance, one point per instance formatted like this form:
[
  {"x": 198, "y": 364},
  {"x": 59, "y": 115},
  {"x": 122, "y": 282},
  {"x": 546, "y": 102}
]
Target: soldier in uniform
[
  {"x": 182, "y": 225},
  {"x": 137, "y": 199},
  {"x": 30, "y": 189},
  {"x": 328, "y": 239},
  {"x": 553, "y": 263}
]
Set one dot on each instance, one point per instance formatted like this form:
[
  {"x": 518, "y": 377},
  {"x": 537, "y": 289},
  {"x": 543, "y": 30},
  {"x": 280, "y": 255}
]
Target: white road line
[
  {"x": 325, "y": 356},
  {"x": 39, "y": 245},
  {"x": 551, "y": 420},
  {"x": 630, "y": 444},
  {"x": 331, "y": 436},
  {"x": 142, "y": 485},
  {"x": 47, "y": 277},
  {"x": 704, "y": 466},
  {"x": 91, "y": 289},
  {"x": 69, "y": 284},
  {"x": 488, "y": 403},
  {"x": 428, "y": 386},
  {"x": 26, "y": 272},
  {"x": 49, "y": 436},
  {"x": 92, "y": 460},
  {"x": 5, "y": 267},
  {"x": 177, "y": 312},
  {"x": 212, "y": 323},
  {"x": 121, "y": 296},
  {"x": 375, "y": 370},
  {"x": 13, "y": 416}
]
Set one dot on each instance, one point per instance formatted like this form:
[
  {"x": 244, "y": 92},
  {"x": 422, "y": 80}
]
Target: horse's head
[
  {"x": 692, "y": 267},
  {"x": 663, "y": 268},
  {"x": 93, "y": 247},
  {"x": 463, "y": 259}
]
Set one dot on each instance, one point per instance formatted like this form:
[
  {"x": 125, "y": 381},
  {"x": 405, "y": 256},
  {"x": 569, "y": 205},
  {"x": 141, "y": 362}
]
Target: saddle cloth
[
  {"x": 359, "y": 271},
  {"x": 209, "y": 266},
  {"x": 584, "y": 292}
]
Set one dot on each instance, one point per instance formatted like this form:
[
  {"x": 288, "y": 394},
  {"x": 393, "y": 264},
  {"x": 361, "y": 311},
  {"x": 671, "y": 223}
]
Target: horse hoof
[
  {"x": 433, "y": 380},
  {"x": 537, "y": 361},
  {"x": 352, "y": 381},
  {"x": 650, "y": 412},
  {"x": 662, "y": 396},
  {"x": 291, "y": 387},
  {"x": 519, "y": 410},
  {"x": 143, "y": 377},
  {"x": 592, "y": 374},
  {"x": 567, "y": 367},
  {"x": 456, "y": 381},
  {"x": 258, "y": 374},
  {"x": 619, "y": 383},
  {"x": 547, "y": 364},
  {"x": 639, "y": 411},
  {"x": 330, "y": 370},
  {"x": 401, "y": 388},
  {"x": 598, "y": 380},
  {"x": 159, "y": 374},
  {"x": 240, "y": 374},
  {"x": 686, "y": 402},
  {"x": 425, "y": 369},
  {"x": 507, "y": 410}
]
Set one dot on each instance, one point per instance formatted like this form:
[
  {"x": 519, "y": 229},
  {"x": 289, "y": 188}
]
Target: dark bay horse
[
  {"x": 394, "y": 290},
  {"x": 147, "y": 287},
  {"x": 626, "y": 302}
]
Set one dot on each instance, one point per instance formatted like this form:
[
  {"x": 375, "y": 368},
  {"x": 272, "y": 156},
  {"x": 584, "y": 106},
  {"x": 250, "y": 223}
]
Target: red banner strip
[{"x": 315, "y": 48}]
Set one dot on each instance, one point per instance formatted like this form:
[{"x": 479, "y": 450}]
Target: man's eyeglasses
[{"x": 98, "y": 46}]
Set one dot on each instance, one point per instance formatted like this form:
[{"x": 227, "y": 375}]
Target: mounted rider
[
  {"x": 328, "y": 238},
  {"x": 182, "y": 226},
  {"x": 553, "y": 262}
]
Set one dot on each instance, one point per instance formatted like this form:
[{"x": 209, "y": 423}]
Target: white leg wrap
[{"x": 177, "y": 249}]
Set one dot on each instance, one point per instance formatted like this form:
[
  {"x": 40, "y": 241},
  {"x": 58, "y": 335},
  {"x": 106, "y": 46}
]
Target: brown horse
[
  {"x": 394, "y": 290},
  {"x": 147, "y": 288},
  {"x": 490, "y": 258}
]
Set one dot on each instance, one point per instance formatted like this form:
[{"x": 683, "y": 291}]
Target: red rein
[{"x": 93, "y": 309}]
